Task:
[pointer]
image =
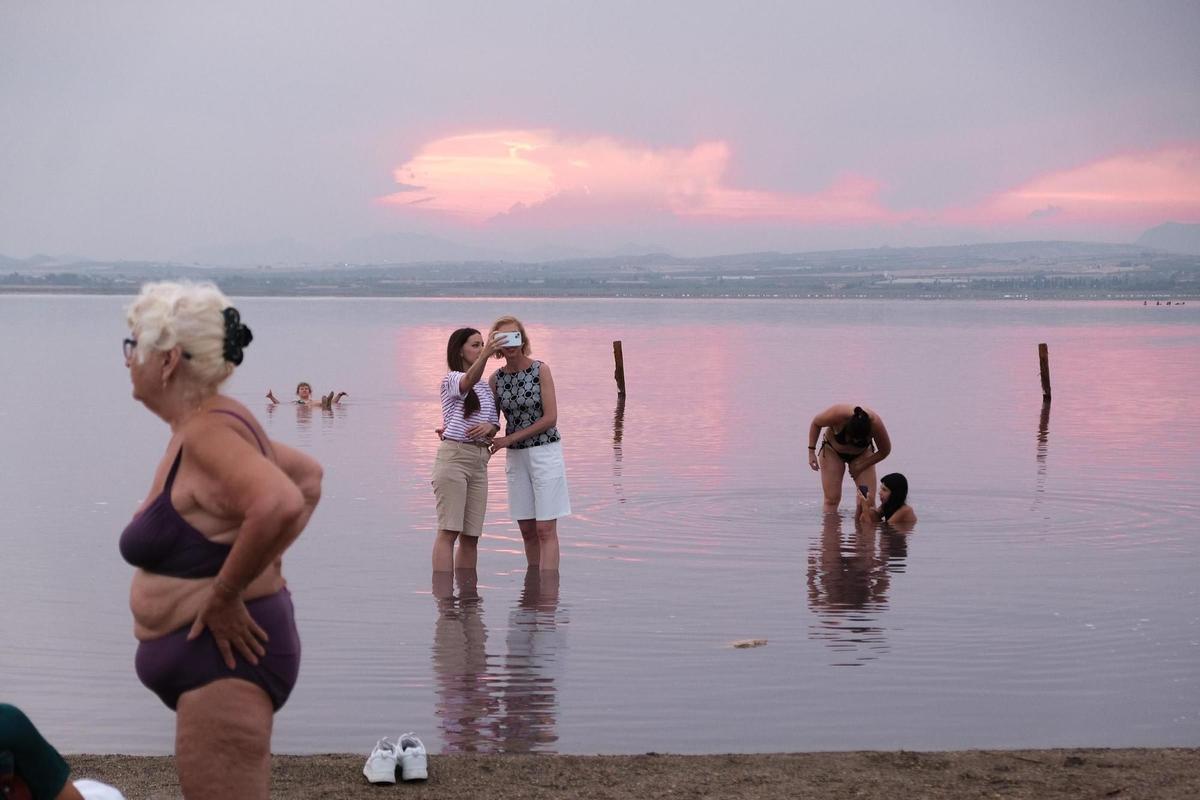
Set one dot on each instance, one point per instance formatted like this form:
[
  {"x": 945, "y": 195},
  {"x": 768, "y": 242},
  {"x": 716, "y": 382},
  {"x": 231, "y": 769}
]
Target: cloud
[
  {"x": 1045, "y": 213},
  {"x": 503, "y": 176},
  {"x": 540, "y": 178},
  {"x": 1127, "y": 188}
]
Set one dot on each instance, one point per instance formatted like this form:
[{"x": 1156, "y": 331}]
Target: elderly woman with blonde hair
[{"x": 212, "y": 612}]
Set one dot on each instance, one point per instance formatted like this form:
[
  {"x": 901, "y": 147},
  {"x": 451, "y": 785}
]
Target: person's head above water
[
  {"x": 199, "y": 320},
  {"x": 857, "y": 429},
  {"x": 303, "y": 390},
  {"x": 893, "y": 493}
]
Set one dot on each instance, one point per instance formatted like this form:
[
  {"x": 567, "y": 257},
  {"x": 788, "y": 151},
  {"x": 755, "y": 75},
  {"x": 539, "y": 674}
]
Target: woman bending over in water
[{"x": 855, "y": 439}]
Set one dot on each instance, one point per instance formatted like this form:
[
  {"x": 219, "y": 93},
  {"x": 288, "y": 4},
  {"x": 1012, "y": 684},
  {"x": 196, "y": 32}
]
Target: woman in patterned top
[{"x": 537, "y": 479}]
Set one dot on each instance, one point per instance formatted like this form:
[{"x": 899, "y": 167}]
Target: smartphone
[
  {"x": 509, "y": 338},
  {"x": 862, "y": 487}
]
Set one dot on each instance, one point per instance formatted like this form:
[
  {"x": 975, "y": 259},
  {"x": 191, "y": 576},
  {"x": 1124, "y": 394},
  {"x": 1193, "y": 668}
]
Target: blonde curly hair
[{"x": 185, "y": 314}]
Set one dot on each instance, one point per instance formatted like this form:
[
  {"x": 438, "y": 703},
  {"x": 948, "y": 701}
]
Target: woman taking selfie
[
  {"x": 537, "y": 477},
  {"x": 460, "y": 480}
]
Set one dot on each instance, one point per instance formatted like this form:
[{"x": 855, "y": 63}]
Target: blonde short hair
[
  {"x": 511, "y": 320},
  {"x": 185, "y": 314}
]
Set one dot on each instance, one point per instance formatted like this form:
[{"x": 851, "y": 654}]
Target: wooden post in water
[
  {"x": 619, "y": 373},
  {"x": 1044, "y": 359}
]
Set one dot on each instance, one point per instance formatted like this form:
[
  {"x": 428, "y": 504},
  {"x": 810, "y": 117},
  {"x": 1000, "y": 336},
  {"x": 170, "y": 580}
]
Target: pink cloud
[
  {"x": 1143, "y": 187},
  {"x": 484, "y": 176},
  {"x": 542, "y": 178}
]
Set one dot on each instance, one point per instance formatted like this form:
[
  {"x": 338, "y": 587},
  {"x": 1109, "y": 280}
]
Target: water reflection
[
  {"x": 305, "y": 416},
  {"x": 618, "y": 455},
  {"x": 848, "y": 581},
  {"x": 466, "y": 707},
  {"x": 489, "y": 703},
  {"x": 1043, "y": 449},
  {"x": 536, "y": 649}
]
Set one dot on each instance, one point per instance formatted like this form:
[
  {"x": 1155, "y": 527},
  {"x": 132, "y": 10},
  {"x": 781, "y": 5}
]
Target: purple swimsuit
[{"x": 162, "y": 542}]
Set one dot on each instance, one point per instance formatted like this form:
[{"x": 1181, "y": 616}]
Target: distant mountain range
[
  {"x": 1175, "y": 237},
  {"x": 427, "y": 251},
  {"x": 999, "y": 270}
]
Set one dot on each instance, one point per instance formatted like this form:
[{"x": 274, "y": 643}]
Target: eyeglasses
[{"x": 129, "y": 345}]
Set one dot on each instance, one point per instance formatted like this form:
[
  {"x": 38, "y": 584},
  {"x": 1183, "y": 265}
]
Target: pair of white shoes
[{"x": 407, "y": 753}]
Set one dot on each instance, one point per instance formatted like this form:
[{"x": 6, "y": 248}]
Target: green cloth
[{"x": 35, "y": 759}]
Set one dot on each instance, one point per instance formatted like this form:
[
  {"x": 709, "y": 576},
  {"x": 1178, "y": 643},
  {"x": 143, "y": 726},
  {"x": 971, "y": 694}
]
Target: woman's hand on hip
[
  {"x": 500, "y": 443},
  {"x": 231, "y": 626}
]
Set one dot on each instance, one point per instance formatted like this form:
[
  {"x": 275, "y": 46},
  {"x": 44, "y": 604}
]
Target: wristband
[{"x": 812, "y": 447}]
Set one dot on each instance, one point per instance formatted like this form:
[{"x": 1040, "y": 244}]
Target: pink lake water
[{"x": 1046, "y": 598}]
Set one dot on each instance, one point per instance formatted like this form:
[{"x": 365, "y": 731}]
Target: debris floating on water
[{"x": 744, "y": 643}]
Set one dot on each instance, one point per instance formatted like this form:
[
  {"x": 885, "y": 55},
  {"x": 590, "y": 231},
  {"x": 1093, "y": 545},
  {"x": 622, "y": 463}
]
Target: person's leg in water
[
  {"x": 529, "y": 536},
  {"x": 547, "y": 538},
  {"x": 833, "y": 470}
]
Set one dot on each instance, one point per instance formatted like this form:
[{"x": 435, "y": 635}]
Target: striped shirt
[{"x": 452, "y": 408}]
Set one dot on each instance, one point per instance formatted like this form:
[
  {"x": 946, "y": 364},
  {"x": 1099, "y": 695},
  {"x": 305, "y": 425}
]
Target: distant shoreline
[
  {"x": 1181, "y": 298},
  {"x": 1128, "y": 774},
  {"x": 1014, "y": 271}
]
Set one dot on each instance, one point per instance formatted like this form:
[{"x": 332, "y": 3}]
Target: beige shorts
[{"x": 460, "y": 485}]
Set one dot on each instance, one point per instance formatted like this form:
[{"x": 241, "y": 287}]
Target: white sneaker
[
  {"x": 414, "y": 762},
  {"x": 381, "y": 764}
]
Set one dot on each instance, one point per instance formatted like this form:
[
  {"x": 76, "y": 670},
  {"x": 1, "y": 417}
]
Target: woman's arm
[
  {"x": 307, "y": 474},
  {"x": 814, "y": 434},
  {"x": 866, "y": 513},
  {"x": 475, "y": 372},
  {"x": 883, "y": 447},
  {"x": 236, "y": 482},
  {"x": 549, "y": 413},
  {"x": 829, "y": 418}
]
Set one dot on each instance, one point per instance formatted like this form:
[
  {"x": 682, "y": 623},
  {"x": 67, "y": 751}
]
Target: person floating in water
[
  {"x": 304, "y": 397},
  {"x": 893, "y": 508},
  {"x": 855, "y": 439}
]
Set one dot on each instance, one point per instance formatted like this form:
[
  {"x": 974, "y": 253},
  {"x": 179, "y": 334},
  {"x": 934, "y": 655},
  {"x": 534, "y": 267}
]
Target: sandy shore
[{"x": 1162, "y": 774}]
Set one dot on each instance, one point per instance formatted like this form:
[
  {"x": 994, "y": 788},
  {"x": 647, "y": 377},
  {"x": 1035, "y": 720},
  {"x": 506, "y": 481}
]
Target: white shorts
[{"x": 537, "y": 482}]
